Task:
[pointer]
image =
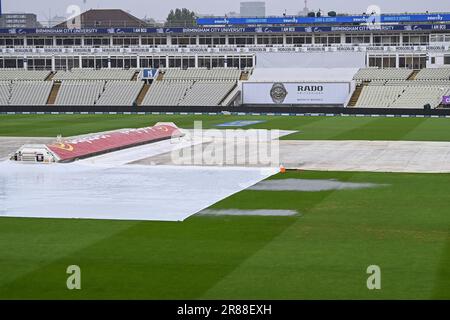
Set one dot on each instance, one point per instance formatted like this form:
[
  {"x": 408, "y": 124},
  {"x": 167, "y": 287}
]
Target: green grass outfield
[
  {"x": 322, "y": 253},
  {"x": 311, "y": 128}
]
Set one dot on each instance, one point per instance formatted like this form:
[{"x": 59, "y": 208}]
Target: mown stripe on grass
[
  {"x": 153, "y": 260},
  {"x": 382, "y": 129},
  {"x": 27, "y": 245},
  {"x": 441, "y": 288},
  {"x": 327, "y": 128},
  {"x": 325, "y": 255}
]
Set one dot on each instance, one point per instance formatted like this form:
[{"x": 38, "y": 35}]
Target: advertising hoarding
[{"x": 301, "y": 93}]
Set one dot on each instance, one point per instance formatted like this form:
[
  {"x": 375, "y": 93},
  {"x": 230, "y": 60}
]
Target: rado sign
[
  {"x": 296, "y": 93},
  {"x": 310, "y": 88}
]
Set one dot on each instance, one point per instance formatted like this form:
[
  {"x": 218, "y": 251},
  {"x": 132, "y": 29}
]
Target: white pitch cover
[{"x": 128, "y": 192}]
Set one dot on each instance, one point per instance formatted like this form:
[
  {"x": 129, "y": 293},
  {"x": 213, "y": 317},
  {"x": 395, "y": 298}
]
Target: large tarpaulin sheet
[{"x": 129, "y": 192}]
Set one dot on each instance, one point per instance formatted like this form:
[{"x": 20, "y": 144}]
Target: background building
[
  {"x": 98, "y": 18},
  {"x": 19, "y": 20},
  {"x": 253, "y": 9}
]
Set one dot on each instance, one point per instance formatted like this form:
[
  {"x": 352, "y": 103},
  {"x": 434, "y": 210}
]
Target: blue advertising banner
[
  {"x": 224, "y": 30},
  {"x": 322, "y": 20}
]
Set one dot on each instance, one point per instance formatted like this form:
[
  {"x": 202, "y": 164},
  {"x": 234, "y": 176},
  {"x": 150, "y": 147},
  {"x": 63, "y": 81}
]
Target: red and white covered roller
[{"x": 93, "y": 145}]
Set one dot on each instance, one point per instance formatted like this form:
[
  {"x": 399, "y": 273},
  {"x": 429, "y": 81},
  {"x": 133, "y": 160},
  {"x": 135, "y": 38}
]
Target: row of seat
[
  {"x": 120, "y": 93},
  {"x": 202, "y": 74},
  {"x": 434, "y": 74},
  {"x": 188, "y": 93},
  {"x": 370, "y": 74},
  {"x": 91, "y": 74},
  {"x": 215, "y": 93},
  {"x": 166, "y": 93},
  {"x": 22, "y": 74},
  {"x": 25, "y": 92},
  {"x": 79, "y": 92},
  {"x": 409, "y": 83},
  {"x": 417, "y": 97},
  {"x": 402, "y": 96}
]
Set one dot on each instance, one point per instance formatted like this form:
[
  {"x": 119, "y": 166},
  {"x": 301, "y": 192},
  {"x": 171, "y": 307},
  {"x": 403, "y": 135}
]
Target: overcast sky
[{"x": 158, "y": 9}]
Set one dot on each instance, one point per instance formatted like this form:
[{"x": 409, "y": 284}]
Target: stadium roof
[{"x": 96, "y": 18}]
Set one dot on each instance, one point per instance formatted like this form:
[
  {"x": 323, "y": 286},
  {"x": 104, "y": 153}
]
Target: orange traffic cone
[{"x": 282, "y": 169}]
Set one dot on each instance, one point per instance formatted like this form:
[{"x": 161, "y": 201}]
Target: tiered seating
[
  {"x": 5, "y": 92},
  {"x": 369, "y": 74},
  {"x": 91, "y": 74},
  {"x": 120, "y": 93},
  {"x": 79, "y": 92},
  {"x": 404, "y": 94},
  {"x": 418, "y": 83},
  {"x": 200, "y": 87},
  {"x": 434, "y": 74},
  {"x": 207, "y": 93},
  {"x": 418, "y": 96},
  {"x": 378, "y": 96},
  {"x": 22, "y": 74},
  {"x": 166, "y": 93},
  {"x": 202, "y": 74},
  {"x": 30, "y": 92}
]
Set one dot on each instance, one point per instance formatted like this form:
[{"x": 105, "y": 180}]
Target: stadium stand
[
  {"x": 378, "y": 96},
  {"x": 166, "y": 93},
  {"x": 202, "y": 74},
  {"x": 403, "y": 94},
  {"x": 379, "y": 88},
  {"x": 92, "y": 74},
  {"x": 391, "y": 88},
  {"x": 201, "y": 87},
  {"x": 418, "y": 96},
  {"x": 370, "y": 74},
  {"x": 207, "y": 93},
  {"x": 30, "y": 92},
  {"x": 22, "y": 74},
  {"x": 120, "y": 93},
  {"x": 434, "y": 74},
  {"x": 79, "y": 92},
  {"x": 5, "y": 92}
]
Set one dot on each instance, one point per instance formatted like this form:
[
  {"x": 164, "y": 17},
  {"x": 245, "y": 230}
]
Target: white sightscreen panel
[
  {"x": 297, "y": 93},
  {"x": 311, "y": 60},
  {"x": 130, "y": 192}
]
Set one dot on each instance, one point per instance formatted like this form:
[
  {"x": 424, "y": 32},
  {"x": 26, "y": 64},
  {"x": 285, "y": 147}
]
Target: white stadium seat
[
  {"x": 166, "y": 93},
  {"x": 209, "y": 93},
  {"x": 30, "y": 92},
  {"x": 22, "y": 74},
  {"x": 369, "y": 74},
  {"x": 79, "y": 92},
  {"x": 120, "y": 93},
  {"x": 91, "y": 74},
  {"x": 5, "y": 92},
  {"x": 434, "y": 74}
]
